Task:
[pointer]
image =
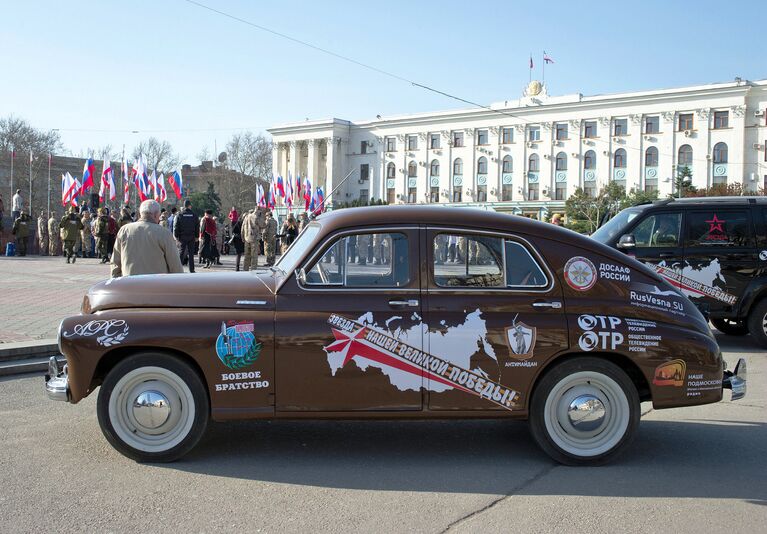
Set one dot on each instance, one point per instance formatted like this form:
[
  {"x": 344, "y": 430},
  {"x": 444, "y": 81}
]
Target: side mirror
[
  {"x": 627, "y": 241},
  {"x": 301, "y": 275}
]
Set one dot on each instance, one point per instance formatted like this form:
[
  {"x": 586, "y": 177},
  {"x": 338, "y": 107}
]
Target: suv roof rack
[{"x": 731, "y": 199}]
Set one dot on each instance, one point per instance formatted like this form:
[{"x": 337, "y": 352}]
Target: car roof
[{"x": 698, "y": 201}]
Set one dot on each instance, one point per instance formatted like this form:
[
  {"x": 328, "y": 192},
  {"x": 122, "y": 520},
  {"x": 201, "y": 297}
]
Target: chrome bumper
[
  {"x": 56, "y": 381},
  {"x": 736, "y": 380}
]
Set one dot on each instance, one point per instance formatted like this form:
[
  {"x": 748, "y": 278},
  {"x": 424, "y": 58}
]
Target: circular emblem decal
[
  {"x": 580, "y": 273},
  {"x": 763, "y": 255}
]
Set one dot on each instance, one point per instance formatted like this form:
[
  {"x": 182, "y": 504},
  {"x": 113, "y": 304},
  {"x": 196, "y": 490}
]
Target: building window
[
  {"x": 532, "y": 191},
  {"x": 721, "y": 119},
  {"x": 457, "y": 139},
  {"x": 434, "y": 168},
  {"x": 561, "y": 131},
  {"x": 684, "y": 158},
  {"x": 434, "y": 194},
  {"x": 364, "y": 147},
  {"x": 720, "y": 153},
  {"x": 590, "y": 190},
  {"x": 560, "y": 191},
  {"x": 561, "y": 162},
  {"x": 482, "y": 137},
  {"x": 364, "y": 171},
  {"x": 412, "y": 142},
  {"x": 458, "y": 167},
  {"x": 508, "y": 164},
  {"x": 652, "y": 125},
  {"x": 507, "y": 136},
  {"x": 534, "y": 134},
  {"x": 506, "y": 192},
  {"x": 619, "y": 160},
  {"x": 457, "y": 193},
  {"x": 590, "y": 160},
  {"x": 685, "y": 121},
  {"x": 412, "y": 169},
  {"x": 363, "y": 196},
  {"x": 481, "y": 193},
  {"x": 651, "y": 157},
  {"x": 434, "y": 141},
  {"x": 482, "y": 165},
  {"x": 532, "y": 163},
  {"x": 412, "y": 195},
  {"x": 590, "y": 129},
  {"x": 391, "y": 171},
  {"x": 620, "y": 127},
  {"x": 651, "y": 185},
  {"x": 391, "y": 144}
]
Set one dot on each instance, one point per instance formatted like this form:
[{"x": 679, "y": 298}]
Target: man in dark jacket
[{"x": 185, "y": 229}]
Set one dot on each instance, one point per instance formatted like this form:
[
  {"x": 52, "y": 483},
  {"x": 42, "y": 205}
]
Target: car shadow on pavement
[
  {"x": 737, "y": 344},
  {"x": 688, "y": 459}
]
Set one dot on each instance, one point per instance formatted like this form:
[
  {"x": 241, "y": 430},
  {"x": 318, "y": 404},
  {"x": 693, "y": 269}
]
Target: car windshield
[
  {"x": 289, "y": 261},
  {"x": 611, "y": 229}
]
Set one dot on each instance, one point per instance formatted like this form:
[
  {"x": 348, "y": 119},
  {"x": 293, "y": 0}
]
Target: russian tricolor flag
[
  {"x": 177, "y": 183},
  {"x": 89, "y": 169}
]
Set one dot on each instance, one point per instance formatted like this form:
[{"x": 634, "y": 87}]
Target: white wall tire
[
  {"x": 584, "y": 411},
  {"x": 153, "y": 407}
]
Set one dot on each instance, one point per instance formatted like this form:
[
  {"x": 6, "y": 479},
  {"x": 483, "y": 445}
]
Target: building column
[
  {"x": 330, "y": 165},
  {"x": 293, "y": 164},
  {"x": 311, "y": 161}
]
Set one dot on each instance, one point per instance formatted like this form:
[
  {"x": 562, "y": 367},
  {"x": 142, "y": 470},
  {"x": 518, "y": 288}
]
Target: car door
[
  {"x": 720, "y": 256},
  {"x": 346, "y": 327},
  {"x": 494, "y": 312},
  {"x": 659, "y": 242}
]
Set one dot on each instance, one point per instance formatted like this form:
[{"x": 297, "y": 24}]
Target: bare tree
[
  {"x": 249, "y": 156},
  {"x": 159, "y": 154}
]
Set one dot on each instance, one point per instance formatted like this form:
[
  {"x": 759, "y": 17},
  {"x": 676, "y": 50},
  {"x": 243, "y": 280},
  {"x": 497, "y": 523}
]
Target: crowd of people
[{"x": 143, "y": 248}]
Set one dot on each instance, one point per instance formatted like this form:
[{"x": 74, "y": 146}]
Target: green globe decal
[{"x": 237, "y": 349}]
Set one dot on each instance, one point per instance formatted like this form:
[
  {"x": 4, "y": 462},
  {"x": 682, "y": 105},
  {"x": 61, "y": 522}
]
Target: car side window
[
  {"x": 462, "y": 260},
  {"x": 660, "y": 230},
  {"x": 521, "y": 269},
  {"x": 378, "y": 260},
  {"x": 717, "y": 228}
]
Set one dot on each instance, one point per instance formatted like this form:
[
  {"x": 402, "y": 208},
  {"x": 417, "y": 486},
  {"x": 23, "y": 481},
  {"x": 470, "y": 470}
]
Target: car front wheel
[
  {"x": 730, "y": 327},
  {"x": 585, "y": 411},
  {"x": 757, "y": 323},
  {"x": 153, "y": 407}
]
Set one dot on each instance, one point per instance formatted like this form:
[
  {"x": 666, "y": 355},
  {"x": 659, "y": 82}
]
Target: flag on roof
[{"x": 547, "y": 58}]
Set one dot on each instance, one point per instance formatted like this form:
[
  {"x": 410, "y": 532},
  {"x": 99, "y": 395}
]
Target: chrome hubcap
[
  {"x": 151, "y": 409},
  {"x": 586, "y": 413}
]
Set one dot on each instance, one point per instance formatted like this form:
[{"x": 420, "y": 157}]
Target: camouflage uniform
[
  {"x": 85, "y": 234},
  {"x": 22, "y": 227},
  {"x": 252, "y": 225},
  {"x": 42, "y": 233},
  {"x": 102, "y": 235},
  {"x": 70, "y": 226},
  {"x": 53, "y": 236},
  {"x": 270, "y": 238}
]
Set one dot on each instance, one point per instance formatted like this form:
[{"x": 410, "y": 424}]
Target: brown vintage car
[{"x": 397, "y": 312}]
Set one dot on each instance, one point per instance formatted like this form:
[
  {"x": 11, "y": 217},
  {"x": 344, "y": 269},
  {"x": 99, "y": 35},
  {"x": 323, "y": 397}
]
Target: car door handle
[
  {"x": 411, "y": 302},
  {"x": 554, "y": 304}
]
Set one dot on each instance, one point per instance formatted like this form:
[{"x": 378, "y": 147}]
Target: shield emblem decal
[{"x": 521, "y": 340}]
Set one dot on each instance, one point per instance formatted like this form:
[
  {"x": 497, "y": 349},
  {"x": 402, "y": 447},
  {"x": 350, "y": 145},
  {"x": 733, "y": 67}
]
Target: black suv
[{"x": 713, "y": 249}]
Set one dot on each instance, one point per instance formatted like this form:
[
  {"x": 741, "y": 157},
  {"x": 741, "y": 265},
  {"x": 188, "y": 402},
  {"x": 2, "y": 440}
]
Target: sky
[{"x": 101, "y": 70}]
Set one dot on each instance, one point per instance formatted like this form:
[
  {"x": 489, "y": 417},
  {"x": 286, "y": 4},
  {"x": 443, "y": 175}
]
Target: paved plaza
[{"x": 39, "y": 291}]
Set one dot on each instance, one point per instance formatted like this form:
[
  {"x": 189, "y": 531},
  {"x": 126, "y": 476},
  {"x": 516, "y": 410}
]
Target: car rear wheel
[
  {"x": 153, "y": 407},
  {"x": 584, "y": 412},
  {"x": 731, "y": 327},
  {"x": 757, "y": 323}
]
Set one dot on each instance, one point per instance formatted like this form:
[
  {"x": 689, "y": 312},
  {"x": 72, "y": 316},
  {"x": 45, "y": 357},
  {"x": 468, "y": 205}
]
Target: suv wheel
[
  {"x": 731, "y": 327},
  {"x": 584, "y": 412},
  {"x": 757, "y": 323},
  {"x": 153, "y": 407}
]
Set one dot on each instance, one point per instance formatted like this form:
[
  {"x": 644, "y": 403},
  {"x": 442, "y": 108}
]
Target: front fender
[{"x": 233, "y": 349}]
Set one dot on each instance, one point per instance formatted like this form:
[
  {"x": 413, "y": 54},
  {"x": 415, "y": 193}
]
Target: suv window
[
  {"x": 718, "y": 229},
  {"x": 486, "y": 262},
  {"x": 658, "y": 230},
  {"x": 363, "y": 260}
]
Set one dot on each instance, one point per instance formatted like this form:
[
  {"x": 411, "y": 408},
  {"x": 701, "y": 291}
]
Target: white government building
[{"x": 527, "y": 155}]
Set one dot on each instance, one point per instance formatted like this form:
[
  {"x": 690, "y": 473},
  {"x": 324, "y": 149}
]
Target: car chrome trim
[
  {"x": 736, "y": 380},
  {"x": 251, "y": 302},
  {"x": 56, "y": 381}
]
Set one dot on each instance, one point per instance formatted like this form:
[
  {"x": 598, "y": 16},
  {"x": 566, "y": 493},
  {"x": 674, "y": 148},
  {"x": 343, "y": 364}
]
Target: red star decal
[
  {"x": 715, "y": 225},
  {"x": 345, "y": 341}
]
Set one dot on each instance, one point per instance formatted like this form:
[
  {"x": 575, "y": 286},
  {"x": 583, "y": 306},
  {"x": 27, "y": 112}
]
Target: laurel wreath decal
[
  {"x": 238, "y": 362},
  {"x": 109, "y": 340}
]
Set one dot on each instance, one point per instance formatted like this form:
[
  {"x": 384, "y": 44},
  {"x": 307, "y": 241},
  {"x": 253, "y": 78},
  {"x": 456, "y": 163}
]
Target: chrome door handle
[
  {"x": 556, "y": 305},
  {"x": 412, "y": 303}
]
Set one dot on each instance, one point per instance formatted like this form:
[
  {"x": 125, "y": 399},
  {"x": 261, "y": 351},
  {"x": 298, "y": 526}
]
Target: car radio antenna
[{"x": 324, "y": 200}]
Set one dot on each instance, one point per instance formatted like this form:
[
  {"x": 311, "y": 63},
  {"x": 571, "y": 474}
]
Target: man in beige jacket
[{"x": 145, "y": 247}]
